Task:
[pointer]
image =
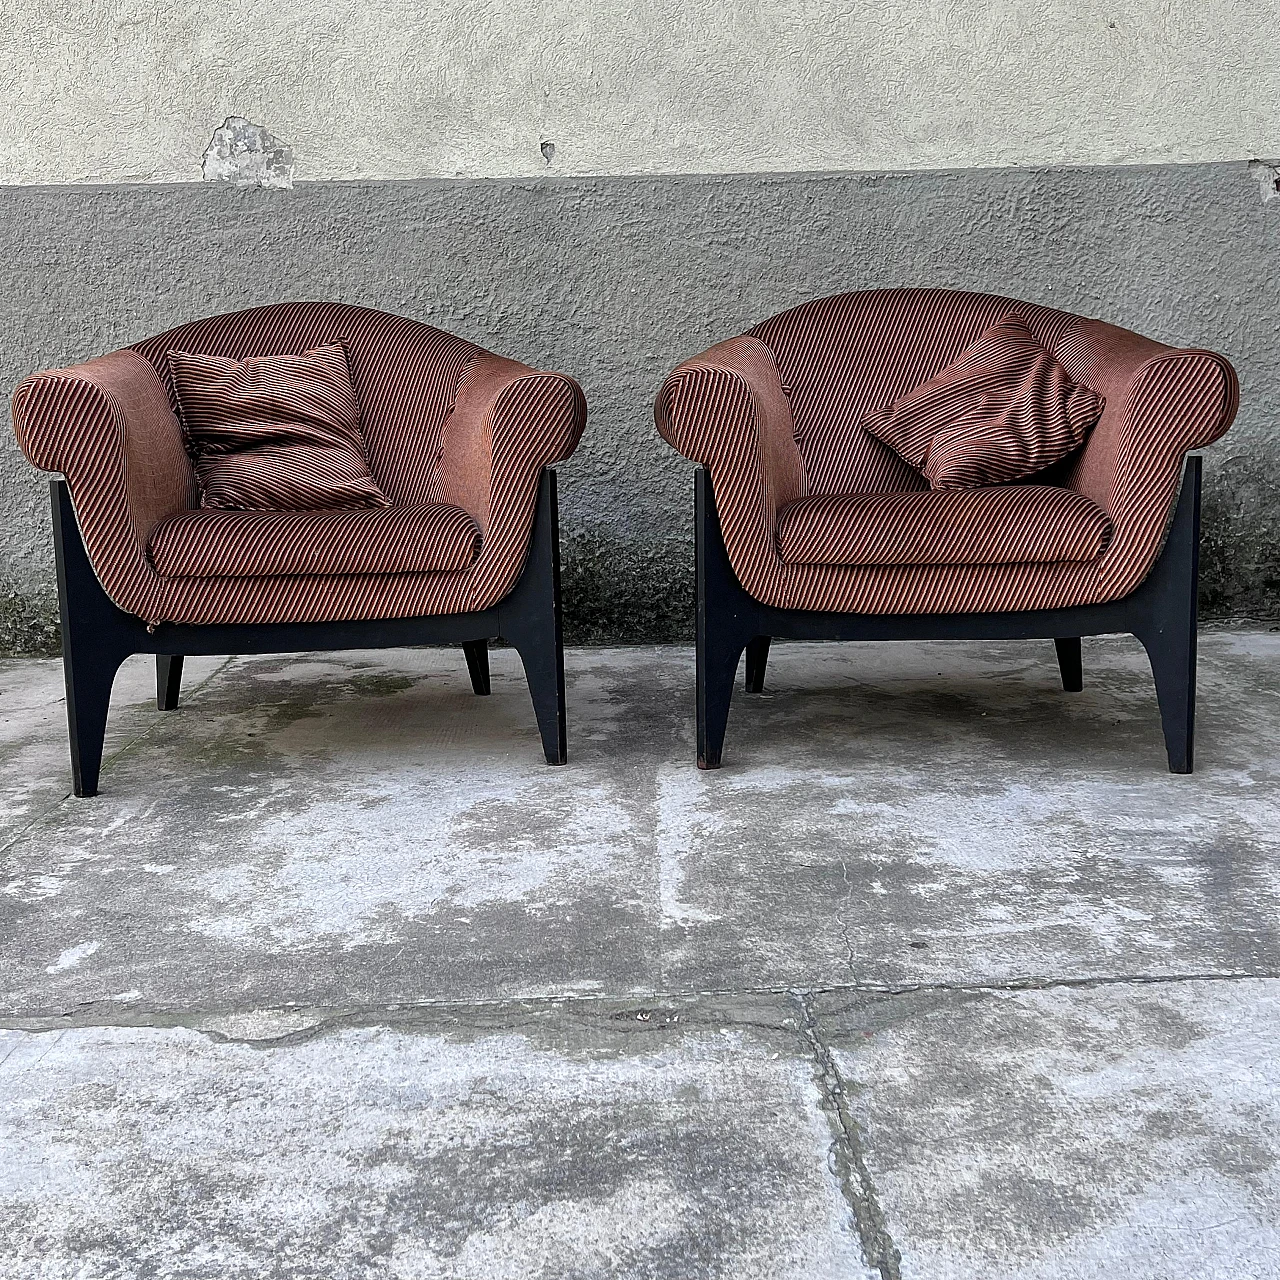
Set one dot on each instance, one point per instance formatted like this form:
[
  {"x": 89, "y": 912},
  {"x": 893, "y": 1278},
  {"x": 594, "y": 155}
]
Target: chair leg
[
  {"x": 1173, "y": 665},
  {"x": 529, "y": 619},
  {"x": 168, "y": 680},
  {"x": 544, "y": 669},
  {"x": 89, "y": 677},
  {"x": 477, "y": 652},
  {"x": 1169, "y": 632},
  {"x": 727, "y": 622},
  {"x": 96, "y": 639},
  {"x": 1069, "y": 663},
  {"x": 757, "y": 660},
  {"x": 718, "y": 654}
]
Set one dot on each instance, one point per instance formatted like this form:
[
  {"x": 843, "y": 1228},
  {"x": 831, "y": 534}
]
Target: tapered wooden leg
[
  {"x": 757, "y": 660},
  {"x": 1069, "y": 663},
  {"x": 89, "y": 677},
  {"x": 1173, "y": 664},
  {"x": 168, "y": 680},
  {"x": 477, "y": 652},
  {"x": 1169, "y": 632},
  {"x": 717, "y": 659},
  {"x": 96, "y": 639},
  {"x": 727, "y": 622},
  {"x": 530, "y": 621},
  {"x": 544, "y": 669}
]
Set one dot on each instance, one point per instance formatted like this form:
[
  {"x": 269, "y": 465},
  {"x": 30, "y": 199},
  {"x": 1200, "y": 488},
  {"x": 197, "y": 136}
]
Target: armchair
[
  {"x": 808, "y": 527},
  {"x": 460, "y": 441}
]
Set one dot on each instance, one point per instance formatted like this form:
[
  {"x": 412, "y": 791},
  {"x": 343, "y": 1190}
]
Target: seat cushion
[
  {"x": 1002, "y": 410},
  {"x": 429, "y": 537},
  {"x": 1016, "y": 524},
  {"x": 274, "y": 432}
]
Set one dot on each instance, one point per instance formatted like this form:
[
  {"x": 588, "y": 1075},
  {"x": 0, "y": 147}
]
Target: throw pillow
[
  {"x": 1002, "y": 410},
  {"x": 276, "y": 433}
]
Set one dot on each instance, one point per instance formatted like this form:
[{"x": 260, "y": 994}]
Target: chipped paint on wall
[{"x": 247, "y": 155}]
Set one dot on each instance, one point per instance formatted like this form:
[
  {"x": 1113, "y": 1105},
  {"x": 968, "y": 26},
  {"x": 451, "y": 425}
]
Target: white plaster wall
[{"x": 130, "y": 90}]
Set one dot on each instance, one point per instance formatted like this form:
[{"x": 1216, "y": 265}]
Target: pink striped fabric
[
  {"x": 405, "y": 374},
  {"x": 839, "y": 358},
  {"x": 430, "y": 537},
  {"x": 110, "y": 427},
  {"x": 1013, "y": 524},
  {"x": 750, "y": 427},
  {"x": 274, "y": 433},
  {"x": 1003, "y": 410}
]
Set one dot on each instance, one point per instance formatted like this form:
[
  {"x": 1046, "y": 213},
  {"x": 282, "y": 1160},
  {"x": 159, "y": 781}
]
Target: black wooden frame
[
  {"x": 1161, "y": 612},
  {"x": 97, "y": 636}
]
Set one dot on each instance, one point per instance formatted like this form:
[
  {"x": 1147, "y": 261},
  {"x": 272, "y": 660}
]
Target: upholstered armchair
[
  {"x": 461, "y": 548},
  {"x": 809, "y": 527}
]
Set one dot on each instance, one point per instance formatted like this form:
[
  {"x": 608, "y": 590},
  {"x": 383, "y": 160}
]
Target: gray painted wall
[{"x": 616, "y": 279}]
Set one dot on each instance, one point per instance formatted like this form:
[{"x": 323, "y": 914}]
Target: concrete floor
[{"x": 941, "y": 976}]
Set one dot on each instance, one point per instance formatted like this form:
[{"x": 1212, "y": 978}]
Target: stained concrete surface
[
  {"x": 33, "y": 750},
  {"x": 997, "y": 1123},
  {"x": 411, "y": 1153},
  {"x": 616, "y": 280},
  {"x": 941, "y": 975}
]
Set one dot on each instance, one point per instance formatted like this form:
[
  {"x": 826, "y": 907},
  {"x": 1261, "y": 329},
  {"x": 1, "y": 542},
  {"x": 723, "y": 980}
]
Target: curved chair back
[
  {"x": 406, "y": 374},
  {"x": 843, "y": 356}
]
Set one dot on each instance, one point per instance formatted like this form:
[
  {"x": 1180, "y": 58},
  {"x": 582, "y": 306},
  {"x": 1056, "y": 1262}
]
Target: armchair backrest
[
  {"x": 843, "y": 356},
  {"x": 406, "y": 374}
]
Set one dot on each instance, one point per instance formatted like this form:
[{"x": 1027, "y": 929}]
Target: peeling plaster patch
[
  {"x": 72, "y": 956},
  {"x": 249, "y": 156},
  {"x": 1267, "y": 173},
  {"x": 548, "y": 150}
]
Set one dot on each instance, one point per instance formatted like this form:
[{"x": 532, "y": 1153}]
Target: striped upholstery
[
  {"x": 1004, "y": 410},
  {"x": 109, "y": 426},
  {"x": 405, "y": 375},
  {"x": 274, "y": 432},
  {"x": 1010, "y": 524},
  {"x": 729, "y": 403},
  {"x": 775, "y": 416},
  {"x": 426, "y": 538}
]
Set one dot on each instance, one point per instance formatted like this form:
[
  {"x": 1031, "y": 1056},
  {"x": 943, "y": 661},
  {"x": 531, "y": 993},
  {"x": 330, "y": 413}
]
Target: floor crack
[
  {"x": 90, "y": 1013},
  {"x": 847, "y": 1149},
  {"x": 1045, "y": 983}
]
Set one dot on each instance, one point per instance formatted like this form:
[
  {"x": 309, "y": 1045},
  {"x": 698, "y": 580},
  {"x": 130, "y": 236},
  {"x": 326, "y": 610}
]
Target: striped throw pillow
[
  {"x": 1002, "y": 410},
  {"x": 274, "y": 433}
]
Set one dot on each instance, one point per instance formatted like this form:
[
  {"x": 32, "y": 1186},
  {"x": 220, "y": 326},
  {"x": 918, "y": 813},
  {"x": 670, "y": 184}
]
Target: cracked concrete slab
[
  {"x": 227, "y": 978},
  {"x": 360, "y": 827},
  {"x": 1070, "y": 1134},
  {"x": 588, "y": 1146}
]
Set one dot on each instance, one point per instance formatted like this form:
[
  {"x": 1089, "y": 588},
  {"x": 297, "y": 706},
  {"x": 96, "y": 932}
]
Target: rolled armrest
[
  {"x": 727, "y": 409},
  {"x": 508, "y": 422},
  {"x": 1160, "y": 402},
  {"x": 107, "y": 425}
]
